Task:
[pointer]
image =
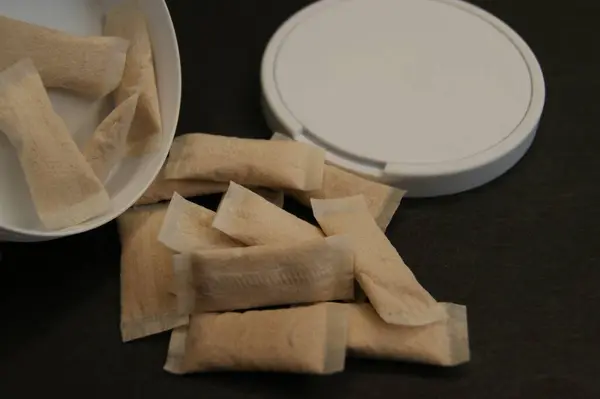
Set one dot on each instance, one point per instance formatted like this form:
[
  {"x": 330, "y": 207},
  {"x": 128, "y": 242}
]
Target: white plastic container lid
[{"x": 434, "y": 96}]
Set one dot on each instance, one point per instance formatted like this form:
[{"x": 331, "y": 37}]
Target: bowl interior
[{"x": 18, "y": 218}]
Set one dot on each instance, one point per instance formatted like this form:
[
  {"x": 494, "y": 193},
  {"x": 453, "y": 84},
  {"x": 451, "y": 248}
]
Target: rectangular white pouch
[
  {"x": 389, "y": 284},
  {"x": 63, "y": 186},
  {"x": 443, "y": 343},
  {"x": 249, "y": 218},
  {"x": 309, "y": 340},
  {"x": 147, "y": 305},
  {"x": 268, "y": 275},
  {"x": 251, "y": 162},
  {"x": 92, "y": 66}
]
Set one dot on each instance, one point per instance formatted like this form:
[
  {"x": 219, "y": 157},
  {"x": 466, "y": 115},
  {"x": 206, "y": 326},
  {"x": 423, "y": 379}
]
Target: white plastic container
[
  {"x": 434, "y": 96},
  {"x": 18, "y": 219}
]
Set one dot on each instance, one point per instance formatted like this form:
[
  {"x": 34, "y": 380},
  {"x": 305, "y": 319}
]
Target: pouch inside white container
[{"x": 131, "y": 177}]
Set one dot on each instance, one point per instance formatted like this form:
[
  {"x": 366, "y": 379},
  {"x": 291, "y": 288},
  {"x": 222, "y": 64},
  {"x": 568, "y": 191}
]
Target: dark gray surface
[{"x": 521, "y": 252}]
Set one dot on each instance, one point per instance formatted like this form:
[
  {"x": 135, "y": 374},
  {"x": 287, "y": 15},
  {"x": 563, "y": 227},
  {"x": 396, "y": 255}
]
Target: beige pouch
[
  {"x": 163, "y": 189},
  {"x": 251, "y": 219},
  {"x": 107, "y": 146},
  {"x": 268, "y": 275},
  {"x": 386, "y": 280},
  {"x": 308, "y": 339},
  {"x": 92, "y": 66},
  {"x": 188, "y": 227},
  {"x": 147, "y": 306},
  {"x": 127, "y": 21},
  {"x": 382, "y": 200},
  {"x": 251, "y": 162},
  {"x": 63, "y": 186},
  {"x": 443, "y": 343}
]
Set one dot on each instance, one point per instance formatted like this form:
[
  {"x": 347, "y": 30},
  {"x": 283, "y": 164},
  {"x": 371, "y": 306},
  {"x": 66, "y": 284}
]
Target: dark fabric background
[{"x": 522, "y": 252}]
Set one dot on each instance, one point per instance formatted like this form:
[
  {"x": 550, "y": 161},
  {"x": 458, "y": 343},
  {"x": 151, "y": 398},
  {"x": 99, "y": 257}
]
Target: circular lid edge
[{"x": 521, "y": 133}]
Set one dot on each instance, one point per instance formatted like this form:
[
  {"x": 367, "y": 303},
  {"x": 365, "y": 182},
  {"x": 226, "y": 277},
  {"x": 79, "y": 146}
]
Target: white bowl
[{"x": 18, "y": 218}]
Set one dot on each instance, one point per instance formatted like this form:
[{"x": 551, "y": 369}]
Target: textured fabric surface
[
  {"x": 266, "y": 275},
  {"x": 521, "y": 252},
  {"x": 306, "y": 339},
  {"x": 63, "y": 187},
  {"x": 147, "y": 305},
  {"x": 163, "y": 189},
  {"x": 251, "y": 219},
  {"x": 389, "y": 284},
  {"x": 278, "y": 164},
  {"x": 382, "y": 200},
  {"x": 443, "y": 343},
  {"x": 187, "y": 227},
  {"x": 108, "y": 145},
  {"x": 91, "y": 66},
  {"x": 127, "y": 22}
]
